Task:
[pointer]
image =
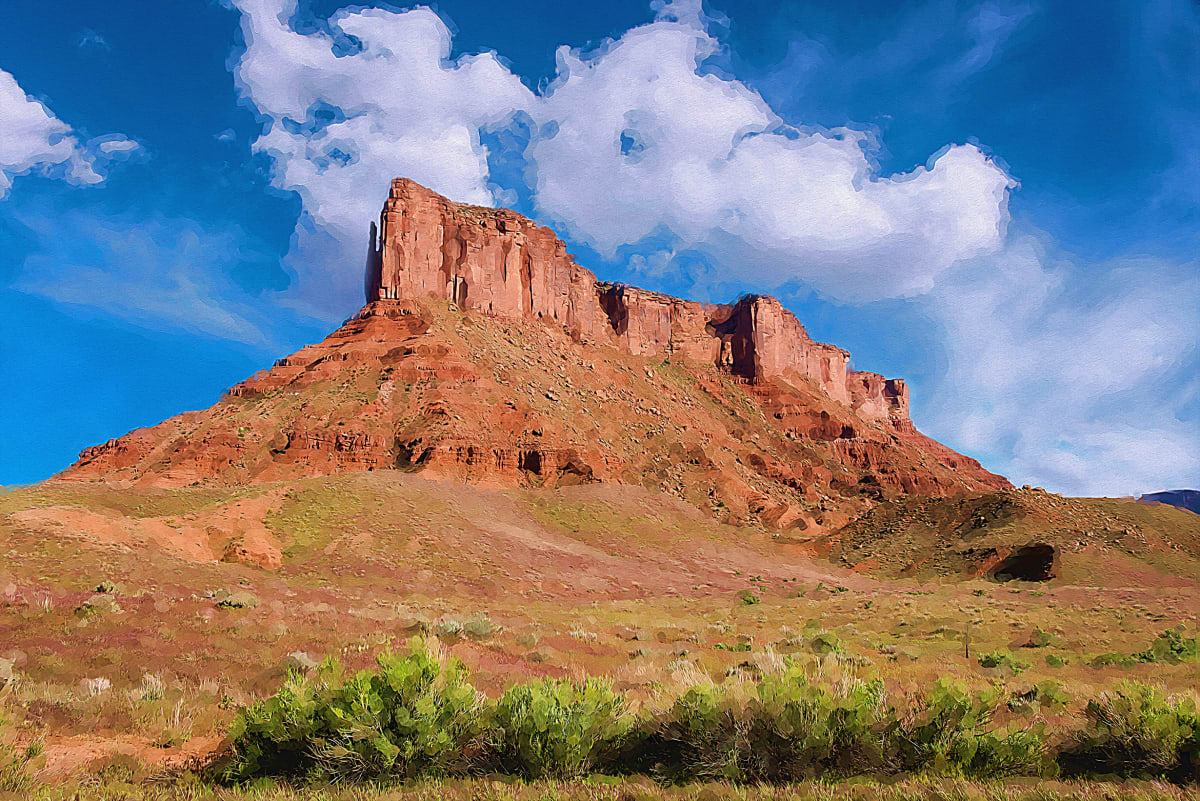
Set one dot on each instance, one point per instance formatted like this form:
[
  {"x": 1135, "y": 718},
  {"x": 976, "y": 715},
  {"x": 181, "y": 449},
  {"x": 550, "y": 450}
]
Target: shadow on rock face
[{"x": 1033, "y": 562}]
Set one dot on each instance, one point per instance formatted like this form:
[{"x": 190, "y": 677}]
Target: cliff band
[{"x": 501, "y": 263}]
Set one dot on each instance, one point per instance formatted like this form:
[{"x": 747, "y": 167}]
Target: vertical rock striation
[{"x": 498, "y": 262}]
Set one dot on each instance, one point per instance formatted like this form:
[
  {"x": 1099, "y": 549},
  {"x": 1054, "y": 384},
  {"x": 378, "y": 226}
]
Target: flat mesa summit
[{"x": 486, "y": 354}]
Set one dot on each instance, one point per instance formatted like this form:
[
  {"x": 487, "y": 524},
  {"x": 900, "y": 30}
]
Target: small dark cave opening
[
  {"x": 1035, "y": 562},
  {"x": 409, "y": 455},
  {"x": 530, "y": 461}
]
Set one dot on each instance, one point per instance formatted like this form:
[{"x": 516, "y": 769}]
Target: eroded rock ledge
[{"x": 498, "y": 262}]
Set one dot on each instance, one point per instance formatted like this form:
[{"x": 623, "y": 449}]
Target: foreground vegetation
[
  {"x": 624, "y": 789},
  {"x": 370, "y": 560},
  {"x": 418, "y": 716}
]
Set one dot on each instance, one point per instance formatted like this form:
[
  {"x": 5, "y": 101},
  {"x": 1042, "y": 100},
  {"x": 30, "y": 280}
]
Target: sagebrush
[{"x": 418, "y": 715}]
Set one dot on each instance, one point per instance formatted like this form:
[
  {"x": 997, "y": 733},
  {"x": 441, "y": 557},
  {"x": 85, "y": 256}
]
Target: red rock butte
[
  {"x": 485, "y": 354},
  {"x": 500, "y": 263}
]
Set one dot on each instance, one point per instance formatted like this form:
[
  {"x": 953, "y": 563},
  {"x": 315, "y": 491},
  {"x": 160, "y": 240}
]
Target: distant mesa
[
  {"x": 486, "y": 354},
  {"x": 1184, "y": 499}
]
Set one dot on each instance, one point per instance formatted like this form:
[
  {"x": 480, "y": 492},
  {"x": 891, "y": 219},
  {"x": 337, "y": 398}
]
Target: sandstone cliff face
[
  {"x": 500, "y": 263},
  {"x": 485, "y": 354},
  {"x": 489, "y": 260},
  {"x": 653, "y": 324}
]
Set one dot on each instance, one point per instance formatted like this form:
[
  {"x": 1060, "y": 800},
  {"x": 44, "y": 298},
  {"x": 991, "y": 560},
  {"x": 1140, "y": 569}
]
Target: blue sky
[{"x": 995, "y": 200}]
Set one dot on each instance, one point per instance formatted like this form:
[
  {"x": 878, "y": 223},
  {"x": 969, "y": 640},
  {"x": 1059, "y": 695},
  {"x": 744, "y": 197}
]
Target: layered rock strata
[{"x": 498, "y": 262}]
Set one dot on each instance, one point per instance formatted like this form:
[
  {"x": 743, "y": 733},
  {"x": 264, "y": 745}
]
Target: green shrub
[
  {"x": 1007, "y": 752},
  {"x": 1136, "y": 732},
  {"x": 479, "y": 626},
  {"x": 1051, "y": 695},
  {"x": 448, "y": 628},
  {"x": 1003, "y": 660},
  {"x": 413, "y": 716},
  {"x": 698, "y": 738},
  {"x": 1172, "y": 647},
  {"x": 1112, "y": 659},
  {"x": 1044, "y": 695},
  {"x": 1039, "y": 638},
  {"x": 797, "y": 730},
  {"x": 949, "y": 733},
  {"x": 559, "y": 729},
  {"x": 789, "y": 729},
  {"x": 238, "y": 600},
  {"x": 827, "y": 643}
]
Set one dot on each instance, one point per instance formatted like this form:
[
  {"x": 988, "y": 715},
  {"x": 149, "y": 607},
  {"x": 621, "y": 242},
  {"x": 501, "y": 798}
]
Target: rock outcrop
[
  {"x": 482, "y": 259},
  {"x": 500, "y": 263},
  {"x": 485, "y": 354}
]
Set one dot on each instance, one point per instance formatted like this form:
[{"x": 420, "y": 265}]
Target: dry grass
[
  {"x": 112, "y": 788},
  {"x": 372, "y": 559}
]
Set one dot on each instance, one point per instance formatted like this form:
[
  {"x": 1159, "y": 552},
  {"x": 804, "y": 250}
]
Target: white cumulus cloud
[
  {"x": 34, "y": 140},
  {"x": 632, "y": 139},
  {"x": 1075, "y": 377},
  {"x": 374, "y": 97},
  {"x": 645, "y": 140}
]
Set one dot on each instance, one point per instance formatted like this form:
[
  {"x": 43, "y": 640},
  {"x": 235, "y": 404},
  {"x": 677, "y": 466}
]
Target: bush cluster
[
  {"x": 418, "y": 715},
  {"x": 1003, "y": 661},
  {"x": 1136, "y": 732},
  {"x": 1170, "y": 647},
  {"x": 790, "y": 729},
  {"x": 558, "y": 729},
  {"x": 415, "y": 715}
]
